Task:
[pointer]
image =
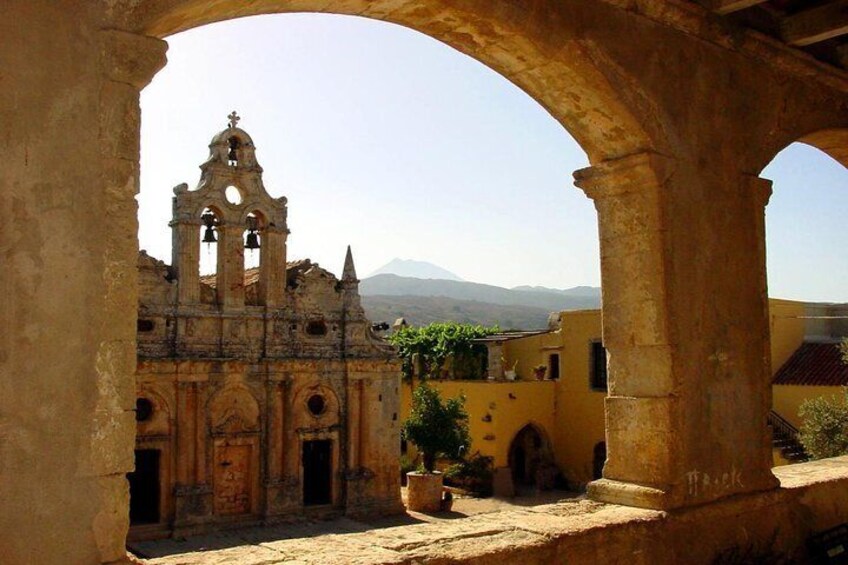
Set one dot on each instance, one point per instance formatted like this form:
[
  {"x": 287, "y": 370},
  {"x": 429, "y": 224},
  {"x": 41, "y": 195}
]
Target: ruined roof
[
  {"x": 814, "y": 364},
  {"x": 251, "y": 276}
]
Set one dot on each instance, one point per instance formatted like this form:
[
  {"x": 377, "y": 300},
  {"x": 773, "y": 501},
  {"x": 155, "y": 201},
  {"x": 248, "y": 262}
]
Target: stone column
[
  {"x": 200, "y": 432},
  {"x": 364, "y": 422},
  {"x": 230, "y": 277},
  {"x": 685, "y": 419},
  {"x": 353, "y": 430},
  {"x": 274, "y": 459},
  {"x": 272, "y": 267},
  {"x": 185, "y": 254},
  {"x": 495, "y": 354},
  {"x": 68, "y": 287},
  {"x": 186, "y": 441}
]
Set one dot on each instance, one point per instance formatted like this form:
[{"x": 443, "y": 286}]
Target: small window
[
  {"x": 143, "y": 409},
  {"x": 553, "y": 366},
  {"x": 145, "y": 325},
  {"x": 599, "y": 366},
  {"x": 233, "y": 195},
  {"x": 316, "y": 327},
  {"x": 316, "y": 404}
]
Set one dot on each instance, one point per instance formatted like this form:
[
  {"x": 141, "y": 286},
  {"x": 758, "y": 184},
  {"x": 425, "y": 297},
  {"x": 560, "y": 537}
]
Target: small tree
[
  {"x": 437, "y": 428},
  {"x": 824, "y": 432}
]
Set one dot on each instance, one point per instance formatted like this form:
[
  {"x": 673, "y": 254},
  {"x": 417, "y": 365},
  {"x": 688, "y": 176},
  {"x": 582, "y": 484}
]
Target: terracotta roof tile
[{"x": 814, "y": 364}]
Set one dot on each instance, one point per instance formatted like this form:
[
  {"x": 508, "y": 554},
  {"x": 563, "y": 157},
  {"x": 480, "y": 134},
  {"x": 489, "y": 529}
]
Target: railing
[
  {"x": 781, "y": 426},
  {"x": 786, "y": 437}
]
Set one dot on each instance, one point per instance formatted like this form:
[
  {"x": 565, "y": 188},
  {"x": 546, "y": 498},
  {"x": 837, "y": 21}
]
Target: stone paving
[{"x": 407, "y": 538}]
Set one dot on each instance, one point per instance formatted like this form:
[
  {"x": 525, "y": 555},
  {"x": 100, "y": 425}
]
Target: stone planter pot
[{"x": 424, "y": 491}]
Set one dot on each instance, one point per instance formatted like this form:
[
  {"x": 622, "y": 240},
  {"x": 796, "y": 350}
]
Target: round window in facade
[
  {"x": 143, "y": 409},
  {"x": 316, "y": 404},
  {"x": 316, "y": 328}
]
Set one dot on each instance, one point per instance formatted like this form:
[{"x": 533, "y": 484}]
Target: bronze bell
[
  {"x": 208, "y": 219},
  {"x": 252, "y": 240}
]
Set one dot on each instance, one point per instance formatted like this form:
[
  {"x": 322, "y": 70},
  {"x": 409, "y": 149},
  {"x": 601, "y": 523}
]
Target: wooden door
[{"x": 232, "y": 479}]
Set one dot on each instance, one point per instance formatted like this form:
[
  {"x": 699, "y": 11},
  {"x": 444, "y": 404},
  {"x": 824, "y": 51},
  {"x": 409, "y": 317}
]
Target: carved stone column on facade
[
  {"x": 364, "y": 408},
  {"x": 230, "y": 277},
  {"x": 353, "y": 409},
  {"x": 200, "y": 433},
  {"x": 272, "y": 267},
  {"x": 275, "y": 446},
  {"x": 185, "y": 255},
  {"x": 658, "y": 410},
  {"x": 186, "y": 440}
]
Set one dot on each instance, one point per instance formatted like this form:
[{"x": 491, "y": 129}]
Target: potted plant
[
  {"x": 437, "y": 428},
  {"x": 539, "y": 372},
  {"x": 510, "y": 374}
]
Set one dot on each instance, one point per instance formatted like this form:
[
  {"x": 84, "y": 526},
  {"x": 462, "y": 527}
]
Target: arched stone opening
[
  {"x": 640, "y": 336},
  {"x": 530, "y": 459},
  {"x": 506, "y": 38},
  {"x": 804, "y": 223}
]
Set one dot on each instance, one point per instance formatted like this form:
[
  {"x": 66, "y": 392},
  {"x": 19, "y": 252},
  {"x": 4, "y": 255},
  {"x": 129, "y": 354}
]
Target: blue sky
[{"x": 387, "y": 140}]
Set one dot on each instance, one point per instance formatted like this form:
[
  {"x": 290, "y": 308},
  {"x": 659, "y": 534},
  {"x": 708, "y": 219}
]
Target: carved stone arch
[
  {"x": 253, "y": 207},
  {"x": 565, "y": 72},
  {"x": 233, "y": 410},
  {"x": 159, "y": 421},
  {"x": 832, "y": 141}
]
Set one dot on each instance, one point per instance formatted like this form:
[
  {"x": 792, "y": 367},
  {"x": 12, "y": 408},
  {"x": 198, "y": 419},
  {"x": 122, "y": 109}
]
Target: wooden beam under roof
[
  {"x": 728, "y": 6},
  {"x": 817, "y": 24}
]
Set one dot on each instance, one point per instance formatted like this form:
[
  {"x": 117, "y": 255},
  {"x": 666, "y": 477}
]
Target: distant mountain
[
  {"x": 422, "y": 310},
  {"x": 588, "y": 291},
  {"x": 385, "y": 285},
  {"x": 417, "y": 269}
]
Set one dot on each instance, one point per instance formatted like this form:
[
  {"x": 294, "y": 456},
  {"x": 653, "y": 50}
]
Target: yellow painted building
[{"x": 525, "y": 422}]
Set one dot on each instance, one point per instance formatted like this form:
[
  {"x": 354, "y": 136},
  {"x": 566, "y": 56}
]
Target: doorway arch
[{"x": 529, "y": 453}]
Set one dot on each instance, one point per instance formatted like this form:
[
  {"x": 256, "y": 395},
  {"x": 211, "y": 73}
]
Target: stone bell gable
[{"x": 262, "y": 393}]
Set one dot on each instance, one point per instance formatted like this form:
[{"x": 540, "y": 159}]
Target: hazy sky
[{"x": 387, "y": 140}]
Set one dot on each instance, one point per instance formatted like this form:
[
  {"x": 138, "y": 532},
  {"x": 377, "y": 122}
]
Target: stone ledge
[{"x": 576, "y": 531}]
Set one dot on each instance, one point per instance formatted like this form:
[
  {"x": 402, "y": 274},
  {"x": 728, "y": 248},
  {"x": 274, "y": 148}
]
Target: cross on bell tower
[{"x": 233, "y": 119}]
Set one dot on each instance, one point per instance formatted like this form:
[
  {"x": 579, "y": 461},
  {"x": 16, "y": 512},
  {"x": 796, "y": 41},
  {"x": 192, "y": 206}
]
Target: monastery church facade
[{"x": 262, "y": 394}]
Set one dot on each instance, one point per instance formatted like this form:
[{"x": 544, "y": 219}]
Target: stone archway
[
  {"x": 529, "y": 457},
  {"x": 669, "y": 104}
]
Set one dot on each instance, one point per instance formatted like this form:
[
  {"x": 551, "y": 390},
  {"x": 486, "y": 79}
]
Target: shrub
[
  {"x": 437, "y": 428},
  {"x": 824, "y": 431},
  {"x": 434, "y": 344},
  {"x": 474, "y": 474}
]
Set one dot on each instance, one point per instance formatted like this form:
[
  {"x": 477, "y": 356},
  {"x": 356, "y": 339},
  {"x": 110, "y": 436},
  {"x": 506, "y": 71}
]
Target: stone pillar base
[{"x": 629, "y": 494}]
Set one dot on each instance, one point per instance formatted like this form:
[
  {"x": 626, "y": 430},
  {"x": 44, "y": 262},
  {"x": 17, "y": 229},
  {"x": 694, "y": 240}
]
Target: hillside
[
  {"x": 422, "y": 310},
  {"x": 547, "y": 300},
  {"x": 387, "y": 297}
]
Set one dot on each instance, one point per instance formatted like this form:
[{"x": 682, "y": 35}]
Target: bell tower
[{"x": 231, "y": 210}]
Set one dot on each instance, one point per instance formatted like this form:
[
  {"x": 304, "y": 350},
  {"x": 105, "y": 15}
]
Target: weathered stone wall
[{"x": 677, "y": 111}]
